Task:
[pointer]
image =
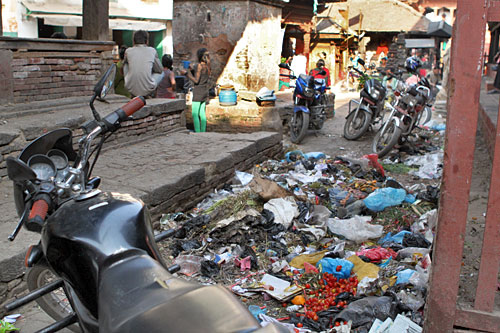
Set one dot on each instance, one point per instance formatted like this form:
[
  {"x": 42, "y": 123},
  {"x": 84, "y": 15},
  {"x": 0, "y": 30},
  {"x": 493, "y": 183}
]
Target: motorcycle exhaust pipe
[{"x": 164, "y": 235}]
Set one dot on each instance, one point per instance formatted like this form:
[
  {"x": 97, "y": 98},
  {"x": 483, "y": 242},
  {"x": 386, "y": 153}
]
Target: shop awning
[
  {"x": 114, "y": 24},
  {"x": 420, "y": 43},
  {"x": 134, "y": 9},
  {"x": 439, "y": 29}
]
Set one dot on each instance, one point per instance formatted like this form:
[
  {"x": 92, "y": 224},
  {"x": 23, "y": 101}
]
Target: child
[{"x": 166, "y": 88}]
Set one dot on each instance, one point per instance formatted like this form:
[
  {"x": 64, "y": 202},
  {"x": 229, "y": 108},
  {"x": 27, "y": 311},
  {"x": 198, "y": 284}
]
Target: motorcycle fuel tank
[{"x": 81, "y": 236}]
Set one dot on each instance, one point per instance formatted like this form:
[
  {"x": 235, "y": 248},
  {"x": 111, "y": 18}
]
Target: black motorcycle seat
[{"x": 136, "y": 294}]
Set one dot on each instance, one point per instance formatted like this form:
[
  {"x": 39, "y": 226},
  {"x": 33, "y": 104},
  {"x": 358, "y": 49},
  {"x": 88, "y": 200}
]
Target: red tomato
[
  {"x": 315, "y": 318},
  {"x": 299, "y": 325},
  {"x": 308, "y": 285},
  {"x": 337, "y": 324},
  {"x": 339, "y": 268}
]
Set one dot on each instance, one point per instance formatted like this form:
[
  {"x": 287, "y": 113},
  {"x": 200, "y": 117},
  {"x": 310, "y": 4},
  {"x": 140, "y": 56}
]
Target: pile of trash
[{"x": 315, "y": 243}]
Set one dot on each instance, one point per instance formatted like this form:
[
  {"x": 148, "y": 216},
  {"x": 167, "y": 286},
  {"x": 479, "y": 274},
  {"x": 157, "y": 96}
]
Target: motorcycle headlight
[
  {"x": 309, "y": 92},
  {"x": 375, "y": 94}
]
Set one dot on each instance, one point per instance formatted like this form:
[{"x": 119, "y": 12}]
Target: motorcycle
[
  {"x": 369, "y": 108},
  {"x": 97, "y": 267},
  {"x": 309, "y": 110},
  {"x": 409, "y": 109}
]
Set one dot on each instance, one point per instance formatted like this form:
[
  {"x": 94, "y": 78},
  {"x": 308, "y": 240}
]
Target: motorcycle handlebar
[
  {"x": 134, "y": 105},
  {"x": 38, "y": 212},
  {"x": 112, "y": 121}
]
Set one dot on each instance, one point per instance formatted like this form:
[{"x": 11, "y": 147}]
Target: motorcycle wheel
[
  {"x": 56, "y": 303},
  {"x": 425, "y": 116},
  {"x": 355, "y": 128},
  {"x": 386, "y": 138},
  {"x": 298, "y": 126}
]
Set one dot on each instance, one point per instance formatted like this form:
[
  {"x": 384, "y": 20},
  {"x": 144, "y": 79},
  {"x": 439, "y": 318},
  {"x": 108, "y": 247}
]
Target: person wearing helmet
[{"x": 321, "y": 72}]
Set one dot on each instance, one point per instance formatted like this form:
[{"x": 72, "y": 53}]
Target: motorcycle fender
[
  {"x": 300, "y": 108},
  {"x": 398, "y": 122},
  {"x": 363, "y": 108}
]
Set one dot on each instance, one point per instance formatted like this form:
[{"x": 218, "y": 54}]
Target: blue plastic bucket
[
  {"x": 185, "y": 64},
  {"x": 227, "y": 97}
]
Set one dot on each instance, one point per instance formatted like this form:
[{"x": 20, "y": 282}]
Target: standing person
[
  {"x": 317, "y": 72},
  {"x": 142, "y": 67},
  {"x": 119, "y": 79},
  {"x": 166, "y": 88},
  {"x": 496, "y": 83},
  {"x": 433, "y": 78},
  {"x": 200, "y": 90}
]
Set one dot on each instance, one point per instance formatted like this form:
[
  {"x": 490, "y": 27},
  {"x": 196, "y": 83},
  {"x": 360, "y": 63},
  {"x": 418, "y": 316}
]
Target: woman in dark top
[
  {"x": 166, "y": 88},
  {"x": 200, "y": 89}
]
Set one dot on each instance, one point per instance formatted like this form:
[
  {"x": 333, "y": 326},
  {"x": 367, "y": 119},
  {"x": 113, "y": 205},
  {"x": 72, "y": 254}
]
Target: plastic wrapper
[
  {"x": 356, "y": 228},
  {"x": 189, "y": 264}
]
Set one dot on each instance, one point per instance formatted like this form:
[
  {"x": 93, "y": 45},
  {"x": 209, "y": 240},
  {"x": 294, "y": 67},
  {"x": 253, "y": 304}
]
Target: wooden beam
[
  {"x": 478, "y": 320},
  {"x": 95, "y": 20},
  {"x": 463, "y": 108}
]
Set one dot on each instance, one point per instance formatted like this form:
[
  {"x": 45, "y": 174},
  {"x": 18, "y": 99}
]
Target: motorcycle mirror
[
  {"x": 283, "y": 65},
  {"x": 103, "y": 87},
  {"x": 19, "y": 171}
]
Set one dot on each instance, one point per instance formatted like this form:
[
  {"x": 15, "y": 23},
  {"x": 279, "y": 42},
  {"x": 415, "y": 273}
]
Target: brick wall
[
  {"x": 46, "y": 68},
  {"x": 38, "y": 77}
]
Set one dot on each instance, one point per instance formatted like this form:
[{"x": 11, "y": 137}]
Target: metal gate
[{"x": 442, "y": 313}]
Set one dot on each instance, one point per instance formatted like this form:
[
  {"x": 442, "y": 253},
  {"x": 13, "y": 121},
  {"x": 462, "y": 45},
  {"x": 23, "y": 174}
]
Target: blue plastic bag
[
  {"x": 255, "y": 310},
  {"x": 385, "y": 197},
  {"x": 397, "y": 238},
  {"x": 315, "y": 155},
  {"x": 296, "y": 153},
  {"x": 403, "y": 277},
  {"x": 329, "y": 265}
]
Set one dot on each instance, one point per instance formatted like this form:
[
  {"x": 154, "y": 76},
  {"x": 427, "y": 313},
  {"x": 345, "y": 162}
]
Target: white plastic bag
[{"x": 356, "y": 228}]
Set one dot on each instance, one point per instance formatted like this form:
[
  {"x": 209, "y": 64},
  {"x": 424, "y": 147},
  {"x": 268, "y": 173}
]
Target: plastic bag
[
  {"x": 416, "y": 240},
  {"x": 314, "y": 155},
  {"x": 189, "y": 264},
  {"x": 312, "y": 258},
  {"x": 403, "y": 277},
  {"x": 356, "y": 228},
  {"x": 430, "y": 165},
  {"x": 314, "y": 223},
  {"x": 293, "y": 156},
  {"x": 376, "y": 255},
  {"x": 340, "y": 268},
  {"x": 397, "y": 238},
  {"x": 382, "y": 198},
  {"x": 364, "y": 311},
  {"x": 364, "y": 269},
  {"x": 284, "y": 210}
]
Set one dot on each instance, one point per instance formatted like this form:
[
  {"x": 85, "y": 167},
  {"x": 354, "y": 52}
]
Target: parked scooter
[
  {"x": 309, "y": 99},
  {"x": 99, "y": 247},
  {"x": 369, "y": 109}
]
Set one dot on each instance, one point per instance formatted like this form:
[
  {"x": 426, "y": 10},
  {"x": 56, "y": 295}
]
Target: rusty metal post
[{"x": 463, "y": 108}]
